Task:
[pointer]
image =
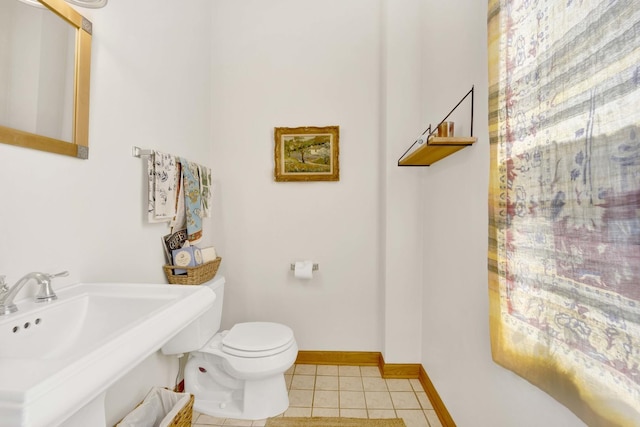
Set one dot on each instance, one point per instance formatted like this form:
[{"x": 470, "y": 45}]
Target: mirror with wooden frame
[{"x": 36, "y": 111}]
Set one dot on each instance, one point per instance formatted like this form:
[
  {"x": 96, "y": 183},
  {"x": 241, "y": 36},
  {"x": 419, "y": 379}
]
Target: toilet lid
[{"x": 257, "y": 339}]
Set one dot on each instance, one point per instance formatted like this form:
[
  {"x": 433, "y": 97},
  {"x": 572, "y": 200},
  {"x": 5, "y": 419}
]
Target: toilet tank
[{"x": 201, "y": 330}]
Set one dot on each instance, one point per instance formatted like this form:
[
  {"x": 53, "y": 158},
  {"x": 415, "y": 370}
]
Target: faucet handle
[
  {"x": 46, "y": 293},
  {"x": 3, "y": 284},
  {"x": 61, "y": 274}
]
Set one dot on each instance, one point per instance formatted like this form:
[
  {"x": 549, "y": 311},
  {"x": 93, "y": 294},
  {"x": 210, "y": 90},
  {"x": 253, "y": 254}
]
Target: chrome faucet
[{"x": 45, "y": 293}]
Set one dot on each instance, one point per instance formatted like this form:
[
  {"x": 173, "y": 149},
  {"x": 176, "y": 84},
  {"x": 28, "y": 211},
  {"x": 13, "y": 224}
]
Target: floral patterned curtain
[{"x": 564, "y": 247}]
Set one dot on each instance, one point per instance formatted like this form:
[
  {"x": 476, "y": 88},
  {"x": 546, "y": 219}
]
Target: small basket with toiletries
[{"x": 194, "y": 275}]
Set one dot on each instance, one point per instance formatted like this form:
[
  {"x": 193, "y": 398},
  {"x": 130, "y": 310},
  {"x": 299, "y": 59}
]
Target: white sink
[{"x": 57, "y": 357}]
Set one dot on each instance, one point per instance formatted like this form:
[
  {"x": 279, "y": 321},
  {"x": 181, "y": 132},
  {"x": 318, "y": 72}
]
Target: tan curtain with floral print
[{"x": 564, "y": 248}]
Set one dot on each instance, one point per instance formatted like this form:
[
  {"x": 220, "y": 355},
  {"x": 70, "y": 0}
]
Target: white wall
[
  {"x": 402, "y": 219},
  {"x": 455, "y": 341},
  {"x": 150, "y": 88},
  {"x": 290, "y": 63}
]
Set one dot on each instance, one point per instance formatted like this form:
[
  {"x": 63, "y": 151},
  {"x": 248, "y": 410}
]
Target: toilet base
[{"x": 257, "y": 400}]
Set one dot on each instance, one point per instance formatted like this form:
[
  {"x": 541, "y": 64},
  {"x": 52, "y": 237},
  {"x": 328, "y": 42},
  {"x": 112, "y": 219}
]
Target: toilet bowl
[
  {"x": 233, "y": 380},
  {"x": 238, "y": 373}
]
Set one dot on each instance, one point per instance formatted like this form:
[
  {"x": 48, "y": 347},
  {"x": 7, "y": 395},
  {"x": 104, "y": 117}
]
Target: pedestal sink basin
[{"x": 57, "y": 357}]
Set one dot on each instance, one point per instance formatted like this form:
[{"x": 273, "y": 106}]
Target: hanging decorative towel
[
  {"x": 192, "y": 199},
  {"x": 179, "y": 221},
  {"x": 206, "y": 190},
  {"x": 163, "y": 182}
]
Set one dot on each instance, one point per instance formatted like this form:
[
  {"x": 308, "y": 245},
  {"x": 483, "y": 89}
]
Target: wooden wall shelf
[
  {"x": 435, "y": 149},
  {"x": 432, "y": 148}
]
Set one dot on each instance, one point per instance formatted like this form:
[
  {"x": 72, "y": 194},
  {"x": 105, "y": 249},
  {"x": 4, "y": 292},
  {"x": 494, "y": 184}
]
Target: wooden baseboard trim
[
  {"x": 363, "y": 358},
  {"x": 387, "y": 370},
  {"x": 434, "y": 397},
  {"x": 397, "y": 370}
]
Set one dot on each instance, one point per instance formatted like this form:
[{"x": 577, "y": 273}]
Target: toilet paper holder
[{"x": 315, "y": 267}]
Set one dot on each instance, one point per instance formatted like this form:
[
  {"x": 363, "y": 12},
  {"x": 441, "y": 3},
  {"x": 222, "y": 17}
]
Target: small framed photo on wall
[{"x": 307, "y": 154}]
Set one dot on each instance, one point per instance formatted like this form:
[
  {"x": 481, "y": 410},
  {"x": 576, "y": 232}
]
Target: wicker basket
[
  {"x": 184, "y": 416},
  {"x": 194, "y": 275}
]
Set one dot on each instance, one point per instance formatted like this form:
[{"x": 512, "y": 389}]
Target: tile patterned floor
[{"x": 345, "y": 391}]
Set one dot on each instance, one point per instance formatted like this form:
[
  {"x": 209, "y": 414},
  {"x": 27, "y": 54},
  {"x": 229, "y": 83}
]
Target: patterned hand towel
[
  {"x": 192, "y": 200},
  {"x": 163, "y": 181},
  {"x": 179, "y": 221},
  {"x": 206, "y": 190}
]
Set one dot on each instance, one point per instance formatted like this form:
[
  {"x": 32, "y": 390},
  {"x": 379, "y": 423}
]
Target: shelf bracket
[{"x": 425, "y": 136}]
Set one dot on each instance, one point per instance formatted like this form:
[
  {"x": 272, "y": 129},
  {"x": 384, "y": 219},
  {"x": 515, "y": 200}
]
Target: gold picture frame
[{"x": 307, "y": 154}]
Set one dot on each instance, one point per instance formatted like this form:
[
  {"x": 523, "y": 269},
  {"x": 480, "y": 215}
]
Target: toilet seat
[{"x": 257, "y": 339}]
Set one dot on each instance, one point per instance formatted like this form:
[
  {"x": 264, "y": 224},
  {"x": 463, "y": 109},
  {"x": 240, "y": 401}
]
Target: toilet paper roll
[{"x": 303, "y": 270}]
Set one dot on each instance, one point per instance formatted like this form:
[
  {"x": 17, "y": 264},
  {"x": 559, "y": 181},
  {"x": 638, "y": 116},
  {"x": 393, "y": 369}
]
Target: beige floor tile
[
  {"x": 370, "y": 371},
  {"x": 326, "y": 383},
  {"x": 327, "y": 370},
  {"x": 432, "y": 417},
  {"x": 374, "y": 384},
  {"x": 325, "y": 399},
  {"x": 305, "y": 370},
  {"x": 351, "y": 383},
  {"x": 398, "y": 385},
  {"x": 378, "y": 400},
  {"x": 412, "y": 418},
  {"x": 325, "y": 412},
  {"x": 405, "y": 400},
  {"x": 303, "y": 382},
  {"x": 425, "y": 403},
  {"x": 209, "y": 420},
  {"x": 349, "y": 371},
  {"x": 237, "y": 423},
  {"x": 352, "y": 400},
  {"x": 382, "y": 413},
  {"x": 416, "y": 384},
  {"x": 301, "y": 398},
  {"x": 353, "y": 413},
  {"x": 345, "y": 391},
  {"x": 298, "y": 412}
]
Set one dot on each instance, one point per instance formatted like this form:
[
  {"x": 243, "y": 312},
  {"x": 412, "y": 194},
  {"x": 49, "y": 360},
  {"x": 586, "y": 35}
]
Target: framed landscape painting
[{"x": 307, "y": 154}]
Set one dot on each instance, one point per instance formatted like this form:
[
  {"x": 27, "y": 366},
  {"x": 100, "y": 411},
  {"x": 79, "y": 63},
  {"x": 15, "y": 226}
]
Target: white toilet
[{"x": 237, "y": 373}]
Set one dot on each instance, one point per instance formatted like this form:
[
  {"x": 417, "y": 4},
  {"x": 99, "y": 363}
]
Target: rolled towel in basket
[{"x": 209, "y": 254}]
